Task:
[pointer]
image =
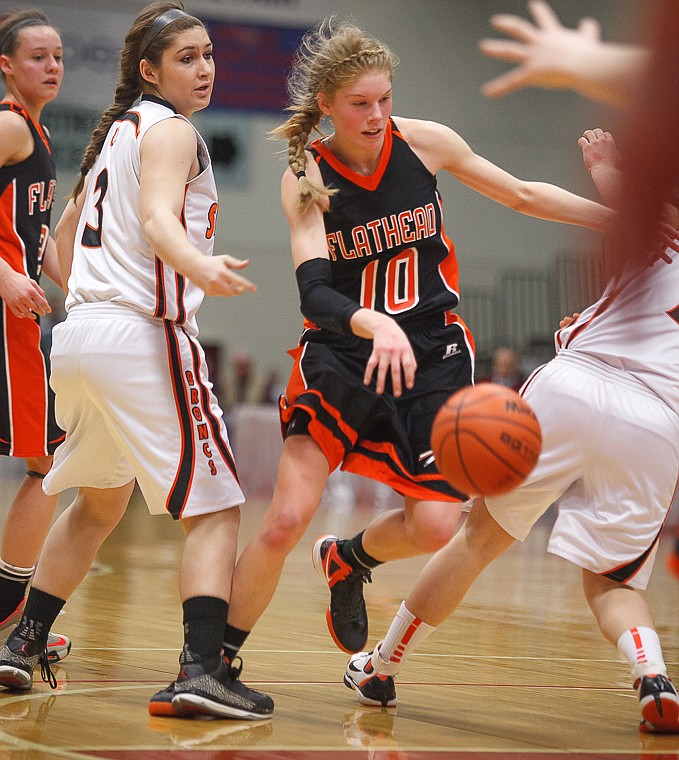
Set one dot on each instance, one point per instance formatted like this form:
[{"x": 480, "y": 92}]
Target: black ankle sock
[
  {"x": 11, "y": 594},
  {"x": 39, "y": 615},
  {"x": 234, "y": 638},
  {"x": 204, "y": 618},
  {"x": 352, "y": 551}
]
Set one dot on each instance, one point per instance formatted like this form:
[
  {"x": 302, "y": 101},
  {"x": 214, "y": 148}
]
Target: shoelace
[
  {"x": 235, "y": 670},
  {"x": 46, "y": 672},
  {"x": 354, "y": 612}
]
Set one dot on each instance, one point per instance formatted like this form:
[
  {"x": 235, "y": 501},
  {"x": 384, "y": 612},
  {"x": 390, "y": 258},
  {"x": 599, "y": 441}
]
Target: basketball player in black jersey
[
  {"x": 382, "y": 347},
  {"x": 32, "y": 69}
]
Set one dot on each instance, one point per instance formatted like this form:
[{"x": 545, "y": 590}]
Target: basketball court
[{"x": 519, "y": 672}]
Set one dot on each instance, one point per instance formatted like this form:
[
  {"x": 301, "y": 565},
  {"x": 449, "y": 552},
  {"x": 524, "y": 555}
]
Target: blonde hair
[
  {"x": 327, "y": 59},
  {"x": 130, "y": 85}
]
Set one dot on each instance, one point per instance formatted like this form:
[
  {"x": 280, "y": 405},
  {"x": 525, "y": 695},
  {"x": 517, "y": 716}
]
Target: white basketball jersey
[
  {"x": 635, "y": 327},
  {"x": 112, "y": 260}
]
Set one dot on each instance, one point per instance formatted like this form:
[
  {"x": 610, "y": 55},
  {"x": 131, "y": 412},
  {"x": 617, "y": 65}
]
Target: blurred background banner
[
  {"x": 254, "y": 42},
  {"x": 284, "y": 12}
]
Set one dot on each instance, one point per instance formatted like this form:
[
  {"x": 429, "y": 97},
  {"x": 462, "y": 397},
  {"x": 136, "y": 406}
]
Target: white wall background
[{"x": 531, "y": 134}]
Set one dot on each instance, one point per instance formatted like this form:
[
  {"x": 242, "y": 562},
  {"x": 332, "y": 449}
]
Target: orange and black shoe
[
  {"x": 161, "y": 703},
  {"x": 659, "y": 705},
  {"x": 346, "y": 616}
]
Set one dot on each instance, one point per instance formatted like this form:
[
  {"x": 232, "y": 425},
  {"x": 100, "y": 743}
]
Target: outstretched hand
[
  {"x": 600, "y": 152},
  {"x": 541, "y": 49},
  {"x": 219, "y": 278},
  {"x": 599, "y": 148},
  {"x": 392, "y": 356}
]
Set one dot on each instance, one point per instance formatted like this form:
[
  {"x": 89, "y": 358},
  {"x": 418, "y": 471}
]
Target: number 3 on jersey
[{"x": 92, "y": 235}]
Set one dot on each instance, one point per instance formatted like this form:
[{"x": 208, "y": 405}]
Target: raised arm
[
  {"x": 551, "y": 56},
  {"x": 439, "y": 147},
  {"x": 601, "y": 157}
]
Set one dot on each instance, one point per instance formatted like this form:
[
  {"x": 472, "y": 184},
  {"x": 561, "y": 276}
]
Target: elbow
[
  {"x": 151, "y": 224},
  {"x": 522, "y": 200}
]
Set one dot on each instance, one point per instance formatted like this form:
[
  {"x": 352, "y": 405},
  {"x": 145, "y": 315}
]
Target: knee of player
[
  {"x": 431, "y": 536},
  {"x": 282, "y": 531}
]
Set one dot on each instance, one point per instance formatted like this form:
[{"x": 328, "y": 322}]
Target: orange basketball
[{"x": 486, "y": 440}]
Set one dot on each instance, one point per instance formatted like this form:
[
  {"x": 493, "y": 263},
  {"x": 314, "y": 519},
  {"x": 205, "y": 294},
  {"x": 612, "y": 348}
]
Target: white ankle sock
[
  {"x": 641, "y": 648},
  {"x": 405, "y": 633}
]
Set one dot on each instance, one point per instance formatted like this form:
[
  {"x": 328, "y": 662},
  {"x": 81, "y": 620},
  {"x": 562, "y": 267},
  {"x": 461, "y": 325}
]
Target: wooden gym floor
[{"x": 519, "y": 672}]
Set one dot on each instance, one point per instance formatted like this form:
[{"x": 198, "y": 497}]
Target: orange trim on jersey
[
  {"x": 375, "y": 470},
  {"x": 12, "y": 247},
  {"x": 451, "y": 318},
  {"x": 179, "y": 279},
  {"x": 449, "y": 267},
  {"x": 178, "y": 493},
  {"x": 161, "y": 295},
  {"x": 370, "y": 182},
  {"x": 298, "y": 386},
  {"x": 332, "y": 448},
  {"x": 389, "y": 450},
  {"x": 27, "y": 381},
  {"x": 19, "y": 109}
]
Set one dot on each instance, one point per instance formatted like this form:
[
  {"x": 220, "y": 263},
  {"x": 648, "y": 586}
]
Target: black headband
[
  {"x": 17, "y": 25},
  {"x": 158, "y": 25}
]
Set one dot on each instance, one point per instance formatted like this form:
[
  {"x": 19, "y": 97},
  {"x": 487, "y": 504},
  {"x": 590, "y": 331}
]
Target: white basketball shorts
[
  {"x": 133, "y": 395},
  {"x": 610, "y": 459}
]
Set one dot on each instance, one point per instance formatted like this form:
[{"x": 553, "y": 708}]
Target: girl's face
[
  {"x": 186, "y": 73},
  {"x": 35, "y": 70},
  {"x": 361, "y": 109}
]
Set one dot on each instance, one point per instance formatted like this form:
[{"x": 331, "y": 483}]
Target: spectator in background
[
  {"x": 272, "y": 389},
  {"x": 506, "y": 369}
]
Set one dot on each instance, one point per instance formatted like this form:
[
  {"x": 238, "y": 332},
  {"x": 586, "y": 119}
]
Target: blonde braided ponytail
[{"x": 327, "y": 59}]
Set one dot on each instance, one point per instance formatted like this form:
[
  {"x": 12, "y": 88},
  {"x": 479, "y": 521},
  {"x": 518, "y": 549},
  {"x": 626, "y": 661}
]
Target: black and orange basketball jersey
[
  {"x": 26, "y": 196},
  {"x": 388, "y": 249}
]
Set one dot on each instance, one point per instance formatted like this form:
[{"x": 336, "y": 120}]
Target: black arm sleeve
[{"x": 321, "y": 304}]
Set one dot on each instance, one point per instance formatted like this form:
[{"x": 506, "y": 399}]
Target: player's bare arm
[
  {"x": 16, "y": 141},
  {"x": 24, "y": 297},
  {"x": 65, "y": 232},
  {"x": 439, "y": 146},
  {"x": 50, "y": 263},
  {"x": 162, "y": 186}
]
